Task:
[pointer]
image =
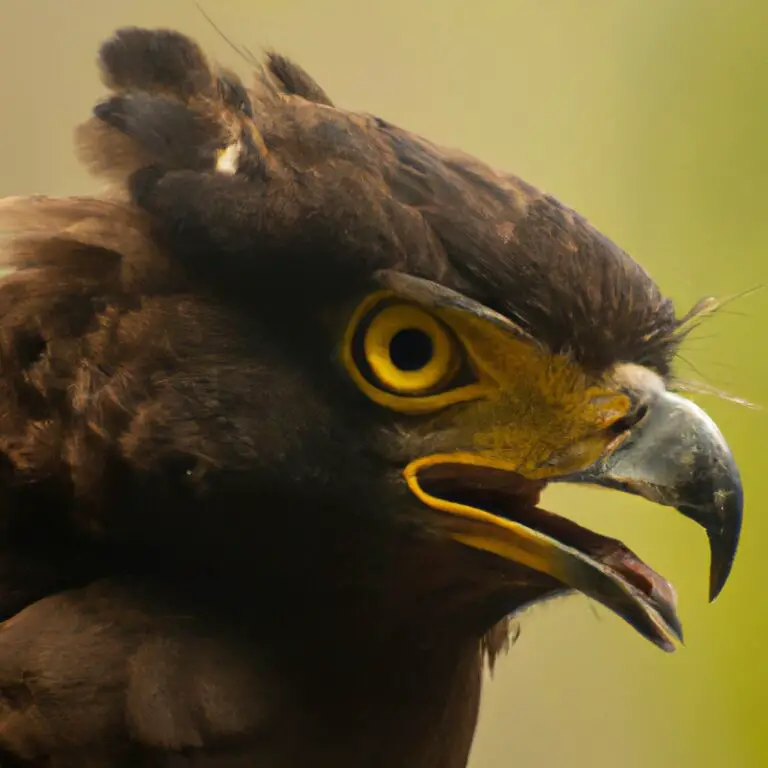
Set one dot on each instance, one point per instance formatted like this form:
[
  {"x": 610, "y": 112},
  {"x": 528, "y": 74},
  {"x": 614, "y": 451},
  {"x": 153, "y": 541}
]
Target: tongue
[{"x": 611, "y": 553}]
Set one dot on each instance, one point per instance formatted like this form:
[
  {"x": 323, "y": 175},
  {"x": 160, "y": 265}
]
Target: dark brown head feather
[
  {"x": 155, "y": 61},
  {"x": 317, "y": 201},
  {"x": 294, "y": 80},
  {"x": 164, "y": 357},
  {"x": 360, "y": 195}
]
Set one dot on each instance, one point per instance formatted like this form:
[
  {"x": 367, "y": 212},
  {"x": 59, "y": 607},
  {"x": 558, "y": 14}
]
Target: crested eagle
[{"x": 276, "y": 411}]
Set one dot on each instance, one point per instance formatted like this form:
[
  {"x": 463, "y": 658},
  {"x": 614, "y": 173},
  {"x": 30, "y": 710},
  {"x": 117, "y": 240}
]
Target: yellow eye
[
  {"x": 406, "y": 358},
  {"x": 408, "y": 351}
]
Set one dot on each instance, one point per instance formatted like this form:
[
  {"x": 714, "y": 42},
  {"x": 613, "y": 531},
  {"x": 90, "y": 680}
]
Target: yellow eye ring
[{"x": 408, "y": 350}]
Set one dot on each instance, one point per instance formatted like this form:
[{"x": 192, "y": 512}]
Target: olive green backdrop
[{"x": 651, "y": 118}]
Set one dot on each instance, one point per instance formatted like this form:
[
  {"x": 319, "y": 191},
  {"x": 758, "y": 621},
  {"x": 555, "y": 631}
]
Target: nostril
[{"x": 626, "y": 423}]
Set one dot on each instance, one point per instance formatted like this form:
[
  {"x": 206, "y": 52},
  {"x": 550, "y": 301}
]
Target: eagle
[{"x": 277, "y": 408}]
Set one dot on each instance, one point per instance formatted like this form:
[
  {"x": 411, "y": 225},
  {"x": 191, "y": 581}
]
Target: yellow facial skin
[
  {"x": 495, "y": 415},
  {"x": 521, "y": 408},
  {"x": 491, "y": 396}
]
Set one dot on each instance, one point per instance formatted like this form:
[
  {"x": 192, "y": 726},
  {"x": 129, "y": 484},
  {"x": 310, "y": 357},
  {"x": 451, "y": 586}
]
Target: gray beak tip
[
  {"x": 677, "y": 456},
  {"x": 724, "y": 542}
]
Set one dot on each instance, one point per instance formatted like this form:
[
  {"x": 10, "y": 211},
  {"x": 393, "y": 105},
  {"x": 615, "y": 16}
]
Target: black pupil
[{"x": 410, "y": 349}]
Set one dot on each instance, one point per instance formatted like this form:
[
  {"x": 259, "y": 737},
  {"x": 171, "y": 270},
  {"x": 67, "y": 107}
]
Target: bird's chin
[{"x": 498, "y": 511}]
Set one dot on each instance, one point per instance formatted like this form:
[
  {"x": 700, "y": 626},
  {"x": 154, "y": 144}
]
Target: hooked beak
[
  {"x": 676, "y": 456},
  {"x": 536, "y": 418}
]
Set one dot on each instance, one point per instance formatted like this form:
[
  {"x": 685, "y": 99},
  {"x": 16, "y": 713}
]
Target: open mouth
[{"x": 497, "y": 510}]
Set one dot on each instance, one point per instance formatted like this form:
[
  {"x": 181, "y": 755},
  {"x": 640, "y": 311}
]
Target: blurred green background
[{"x": 648, "y": 116}]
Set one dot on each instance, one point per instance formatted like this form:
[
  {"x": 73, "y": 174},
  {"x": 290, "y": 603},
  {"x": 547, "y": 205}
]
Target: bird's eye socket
[
  {"x": 406, "y": 358},
  {"x": 408, "y": 351}
]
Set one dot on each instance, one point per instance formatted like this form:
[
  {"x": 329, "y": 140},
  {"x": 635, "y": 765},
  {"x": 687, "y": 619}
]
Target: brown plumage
[{"x": 208, "y": 553}]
